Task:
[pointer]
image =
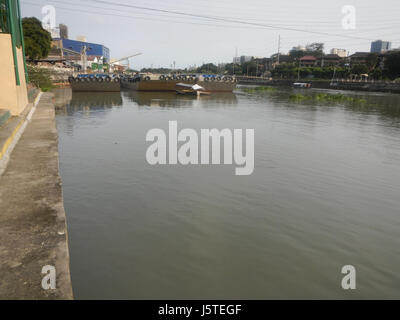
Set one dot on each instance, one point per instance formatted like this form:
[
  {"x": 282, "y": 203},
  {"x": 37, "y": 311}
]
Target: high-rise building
[
  {"x": 380, "y": 46},
  {"x": 63, "y": 31}
]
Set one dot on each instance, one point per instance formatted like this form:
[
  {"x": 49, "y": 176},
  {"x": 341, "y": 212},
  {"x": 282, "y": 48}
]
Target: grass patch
[
  {"x": 326, "y": 97},
  {"x": 40, "y": 77},
  {"x": 259, "y": 89}
]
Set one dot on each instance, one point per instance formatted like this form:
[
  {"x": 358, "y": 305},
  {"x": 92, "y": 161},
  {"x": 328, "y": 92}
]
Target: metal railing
[
  {"x": 4, "y": 26},
  {"x": 10, "y": 22}
]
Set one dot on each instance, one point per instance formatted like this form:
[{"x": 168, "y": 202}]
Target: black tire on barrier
[
  {"x": 206, "y": 79},
  {"x": 116, "y": 79},
  {"x": 218, "y": 78},
  {"x": 168, "y": 78},
  {"x": 147, "y": 78},
  {"x": 71, "y": 79},
  {"x": 162, "y": 77},
  {"x": 183, "y": 77},
  {"x": 107, "y": 79},
  {"x": 212, "y": 78}
]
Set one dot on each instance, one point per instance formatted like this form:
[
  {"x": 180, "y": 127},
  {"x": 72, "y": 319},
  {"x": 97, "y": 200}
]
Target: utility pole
[
  {"x": 279, "y": 48},
  {"x": 84, "y": 59},
  {"x": 298, "y": 71},
  {"x": 234, "y": 61}
]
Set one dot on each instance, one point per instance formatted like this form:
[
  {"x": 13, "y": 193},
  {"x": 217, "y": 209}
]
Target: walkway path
[{"x": 33, "y": 230}]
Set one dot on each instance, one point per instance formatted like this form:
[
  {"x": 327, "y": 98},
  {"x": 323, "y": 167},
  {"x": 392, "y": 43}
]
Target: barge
[
  {"x": 210, "y": 83},
  {"x": 95, "y": 83}
]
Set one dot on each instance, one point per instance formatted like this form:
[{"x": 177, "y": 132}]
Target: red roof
[{"x": 308, "y": 58}]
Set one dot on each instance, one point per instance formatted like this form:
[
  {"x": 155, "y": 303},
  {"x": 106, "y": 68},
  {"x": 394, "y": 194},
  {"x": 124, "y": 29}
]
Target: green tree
[
  {"x": 249, "y": 68},
  {"x": 392, "y": 65},
  {"x": 297, "y": 54},
  {"x": 372, "y": 61},
  {"x": 208, "y": 68},
  {"x": 232, "y": 68},
  {"x": 37, "y": 40},
  {"x": 359, "y": 69}
]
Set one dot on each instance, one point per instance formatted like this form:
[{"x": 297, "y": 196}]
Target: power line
[
  {"x": 223, "y": 19},
  {"x": 143, "y": 18}
]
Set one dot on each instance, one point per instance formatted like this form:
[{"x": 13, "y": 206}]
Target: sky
[{"x": 217, "y": 30}]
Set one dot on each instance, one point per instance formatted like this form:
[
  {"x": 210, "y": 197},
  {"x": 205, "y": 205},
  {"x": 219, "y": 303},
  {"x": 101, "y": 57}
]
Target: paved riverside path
[{"x": 33, "y": 230}]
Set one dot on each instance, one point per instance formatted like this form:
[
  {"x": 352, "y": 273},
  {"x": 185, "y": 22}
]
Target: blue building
[
  {"x": 380, "y": 46},
  {"x": 92, "y": 49}
]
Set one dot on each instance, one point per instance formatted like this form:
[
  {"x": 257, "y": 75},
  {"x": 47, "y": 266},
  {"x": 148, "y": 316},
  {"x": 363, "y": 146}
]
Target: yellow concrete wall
[{"x": 12, "y": 97}]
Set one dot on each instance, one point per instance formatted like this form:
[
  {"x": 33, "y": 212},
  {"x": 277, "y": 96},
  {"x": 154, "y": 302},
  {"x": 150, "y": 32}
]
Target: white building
[
  {"x": 299, "y": 48},
  {"x": 340, "y": 52},
  {"x": 54, "y": 32},
  {"x": 81, "y": 38},
  {"x": 242, "y": 59},
  {"x": 236, "y": 60}
]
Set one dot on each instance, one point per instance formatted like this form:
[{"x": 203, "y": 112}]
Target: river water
[{"x": 325, "y": 193}]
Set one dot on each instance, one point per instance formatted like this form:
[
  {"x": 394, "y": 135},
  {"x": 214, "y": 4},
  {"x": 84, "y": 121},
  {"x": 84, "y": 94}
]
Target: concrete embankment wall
[
  {"x": 13, "y": 97},
  {"x": 33, "y": 232},
  {"x": 340, "y": 85}
]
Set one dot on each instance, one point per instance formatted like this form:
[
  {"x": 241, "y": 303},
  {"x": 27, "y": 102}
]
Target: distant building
[
  {"x": 81, "y": 38},
  {"x": 63, "y": 31},
  {"x": 330, "y": 60},
  {"x": 308, "y": 61},
  {"x": 92, "y": 49},
  {"x": 263, "y": 65},
  {"x": 380, "y": 46},
  {"x": 54, "y": 32},
  {"x": 359, "y": 58},
  {"x": 280, "y": 58},
  {"x": 242, "y": 59},
  {"x": 342, "y": 53},
  {"x": 298, "y": 48}
]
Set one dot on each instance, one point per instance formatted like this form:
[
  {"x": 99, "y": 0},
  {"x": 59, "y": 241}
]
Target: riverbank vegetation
[
  {"x": 310, "y": 96},
  {"x": 325, "y": 97},
  {"x": 260, "y": 89},
  {"x": 40, "y": 77}
]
